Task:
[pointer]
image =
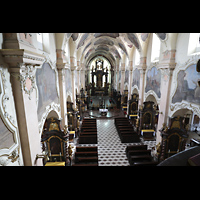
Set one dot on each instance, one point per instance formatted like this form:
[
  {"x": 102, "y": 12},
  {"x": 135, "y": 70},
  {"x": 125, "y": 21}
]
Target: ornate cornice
[{"x": 15, "y": 56}]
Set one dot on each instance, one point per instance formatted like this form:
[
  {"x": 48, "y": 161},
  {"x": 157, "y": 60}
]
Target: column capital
[{"x": 168, "y": 59}]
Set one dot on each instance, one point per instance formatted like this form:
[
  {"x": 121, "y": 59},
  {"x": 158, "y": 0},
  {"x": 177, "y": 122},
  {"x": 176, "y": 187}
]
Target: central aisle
[{"x": 111, "y": 152}]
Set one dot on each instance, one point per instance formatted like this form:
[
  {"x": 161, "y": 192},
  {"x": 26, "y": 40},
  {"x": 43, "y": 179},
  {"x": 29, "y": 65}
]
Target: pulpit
[{"x": 173, "y": 138}]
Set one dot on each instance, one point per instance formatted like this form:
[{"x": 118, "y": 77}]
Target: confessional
[
  {"x": 54, "y": 141},
  {"x": 124, "y": 100},
  {"x": 173, "y": 138},
  {"x": 72, "y": 116},
  {"x": 133, "y": 108},
  {"x": 147, "y": 120}
]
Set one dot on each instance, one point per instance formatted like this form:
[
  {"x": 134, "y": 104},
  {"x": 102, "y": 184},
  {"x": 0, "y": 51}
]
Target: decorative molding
[
  {"x": 185, "y": 105},
  {"x": 9, "y": 122},
  {"x": 52, "y": 107},
  {"x": 166, "y": 73},
  {"x": 27, "y": 75},
  {"x": 151, "y": 92}
]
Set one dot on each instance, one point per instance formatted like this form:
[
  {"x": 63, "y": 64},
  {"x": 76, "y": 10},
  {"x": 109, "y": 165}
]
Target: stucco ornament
[{"x": 27, "y": 80}]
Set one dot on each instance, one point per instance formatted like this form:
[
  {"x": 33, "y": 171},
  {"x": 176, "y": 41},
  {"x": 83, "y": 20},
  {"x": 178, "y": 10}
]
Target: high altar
[{"x": 99, "y": 71}]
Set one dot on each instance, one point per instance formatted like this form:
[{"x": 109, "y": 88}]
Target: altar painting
[
  {"x": 46, "y": 84},
  {"x": 153, "y": 81},
  {"x": 187, "y": 86}
]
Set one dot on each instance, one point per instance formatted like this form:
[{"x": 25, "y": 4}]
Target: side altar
[{"x": 101, "y": 73}]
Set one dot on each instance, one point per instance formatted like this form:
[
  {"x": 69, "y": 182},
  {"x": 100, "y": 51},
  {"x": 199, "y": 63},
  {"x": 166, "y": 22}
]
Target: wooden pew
[
  {"x": 135, "y": 147},
  {"x": 86, "y": 156},
  {"x": 126, "y": 131},
  {"x": 141, "y": 158},
  {"x": 88, "y": 139},
  {"x": 81, "y": 149},
  {"x": 88, "y": 133},
  {"x": 138, "y": 155}
]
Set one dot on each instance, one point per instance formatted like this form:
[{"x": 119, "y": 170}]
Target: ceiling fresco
[
  {"x": 162, "y": 36},
  {"x": 111, "y": 45}
]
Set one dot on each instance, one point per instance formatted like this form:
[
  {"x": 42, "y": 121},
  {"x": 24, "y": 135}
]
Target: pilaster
[
  {"x": 73, "y": 68},
  {"x": 22, "y": 77},
  {"x": 166, "y": 66},
  {"x": 122, "y": 77},
  {"x": 142, "y": 67},
  {"x": 60, "y": 64}
]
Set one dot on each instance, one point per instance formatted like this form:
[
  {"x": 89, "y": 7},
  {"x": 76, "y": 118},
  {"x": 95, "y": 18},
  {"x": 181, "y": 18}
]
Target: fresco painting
[
  {"x": 68, "y": 81},
  {"x": 46, "y": 84},
  {"x": 120, "y": 76},
  {"x": 105, "y": 41},
  {"x": 133, "y": 39},
  {"x": 136, "y": 78},
  {"x": 162, "y": 36},
  {"x": 187, "y": 86},
  {"x": 153, "y": 81},
  {"x": 144, "y": 36},
  {"x": 126, "y": 76}
]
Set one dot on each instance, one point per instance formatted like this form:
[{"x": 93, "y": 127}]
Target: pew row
[
  {"x": 86, "y": 156},
  {"x": 139, "y": 155},
  {"x": 88, "y": 134},
  {"x": 126, "y": 131}
]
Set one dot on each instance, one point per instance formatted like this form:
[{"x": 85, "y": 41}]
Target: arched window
[
  {"x": 155, "y": 51},
  {"x": 43, "y": 42},
  {"x": 194, "y": 43},
  {"x": 39, "y": 40}
]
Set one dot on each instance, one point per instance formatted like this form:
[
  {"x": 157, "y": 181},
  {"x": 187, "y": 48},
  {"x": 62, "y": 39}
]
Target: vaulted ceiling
[{"x": 111, "y": 45}]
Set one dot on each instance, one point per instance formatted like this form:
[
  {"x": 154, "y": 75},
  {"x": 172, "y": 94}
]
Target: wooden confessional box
[
  {"x": 147, "y": 121},
  {"x": 54, "y": 141},
  {"x": 124, "y": 100},
  {"x": 173, "y": 138},
  {"x": 133, "y": 108},
  {"x": 72, "y": 116}
]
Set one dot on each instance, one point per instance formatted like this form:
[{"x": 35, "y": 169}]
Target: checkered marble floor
[{"x": 111, "y": 152}]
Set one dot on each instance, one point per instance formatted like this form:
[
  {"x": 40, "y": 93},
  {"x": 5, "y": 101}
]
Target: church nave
[{"x": 111, "y": 152}]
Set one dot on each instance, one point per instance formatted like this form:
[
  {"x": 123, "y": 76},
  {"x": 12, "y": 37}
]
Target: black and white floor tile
[{"x": 111, "y": 152}]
